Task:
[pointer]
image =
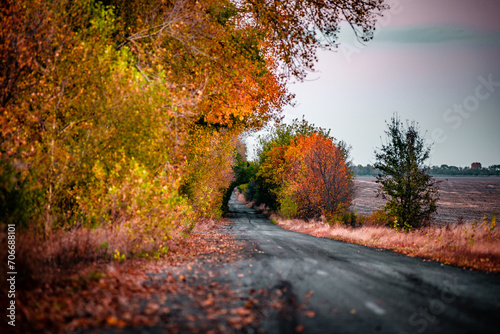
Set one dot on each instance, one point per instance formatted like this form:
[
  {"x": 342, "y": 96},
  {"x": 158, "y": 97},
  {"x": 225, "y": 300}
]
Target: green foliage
[
  {"x": 283, "y": 134},
  {"x": 252, "y": 192},
  {"x": 18, "y": 200},
  {"x": 94, "y": 276},
  {"x": 163, "y": 250},
  {"x": 242, "y": 188},
  {"x": 462, "y": 171},
  {"x": 118, "y": 257},
  {"x": 244, "y": 172},
  {"x": 104, "y": 245},
  {"x": 288, "y": 207},
  {"x": 380, "y": 217},
  {"x": 222, "y": 12},
  {"x": 493, "y": 221},
  {"x": 411, "y": 193},
  {"x": 345, "y": 218},
  {"x": 364, "y": 170}
]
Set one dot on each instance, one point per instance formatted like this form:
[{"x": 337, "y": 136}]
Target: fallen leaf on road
[
  {"x": 310, "y": 314},
  {"x": 241, "y": 311},
  {"x": 207, "y": 302}
]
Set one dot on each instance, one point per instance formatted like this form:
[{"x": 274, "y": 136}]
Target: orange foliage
[
  {"x": 216, "y": 69},
  {"x": 320, "y": 181}
]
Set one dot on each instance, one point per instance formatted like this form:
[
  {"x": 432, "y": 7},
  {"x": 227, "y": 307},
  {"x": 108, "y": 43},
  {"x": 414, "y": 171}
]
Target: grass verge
[{"x": 473, "y": 245}]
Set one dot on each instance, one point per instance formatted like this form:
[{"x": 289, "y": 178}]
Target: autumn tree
[
  {"x": 271, "y": 152},
  {"x": 405, "y": 183},
  {"x": 113, "y": 110},
  {"x": 295, "y": 30},
  {"x": 86, "y": 138},
  {"x": 209, "y": 169},
  {"x": 303, "y": 171},
  {"x": 319, "y": 178}
]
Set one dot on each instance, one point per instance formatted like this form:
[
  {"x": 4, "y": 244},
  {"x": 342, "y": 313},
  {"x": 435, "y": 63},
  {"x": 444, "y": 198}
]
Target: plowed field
[{"x": 461, "y": 198}]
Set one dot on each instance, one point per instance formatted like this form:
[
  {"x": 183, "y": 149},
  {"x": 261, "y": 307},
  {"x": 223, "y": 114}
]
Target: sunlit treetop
[
  {"x": 233, "y": 58},
  {"x": 295, "y": 30}
]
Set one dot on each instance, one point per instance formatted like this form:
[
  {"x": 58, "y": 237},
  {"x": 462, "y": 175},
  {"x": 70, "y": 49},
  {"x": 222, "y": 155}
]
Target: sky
[{"x": 436, "y": 62}]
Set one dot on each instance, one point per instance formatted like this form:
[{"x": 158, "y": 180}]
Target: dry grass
[
  {"x": 473, "y": 245},
  {"x": 71, "y": 280},
  {"x": 468, "y": 245},
  {"x": 39, "y": 260}
]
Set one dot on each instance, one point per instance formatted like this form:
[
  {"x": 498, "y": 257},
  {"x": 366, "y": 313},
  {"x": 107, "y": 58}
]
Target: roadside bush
[
  {"x": 379, "y": 218},
  {"x": 243, "y": 188},
  {"x": 344, "y": 218},
  {"x": 288, "y": 207}
]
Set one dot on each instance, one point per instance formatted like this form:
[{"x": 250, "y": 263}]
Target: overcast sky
[{"x": 433, "y": 61}]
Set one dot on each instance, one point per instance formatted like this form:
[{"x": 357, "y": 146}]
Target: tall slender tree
[{"x": 405, "y": 183}]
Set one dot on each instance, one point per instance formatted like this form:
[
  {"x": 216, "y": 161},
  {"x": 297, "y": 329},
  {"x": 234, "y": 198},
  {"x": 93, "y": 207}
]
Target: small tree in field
[{"x": 411, "y": 193}]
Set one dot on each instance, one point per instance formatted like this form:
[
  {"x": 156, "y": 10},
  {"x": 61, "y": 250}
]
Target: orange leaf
[
  {"x": 300, "y": 328},
  {"x": 310, "y": 314}
]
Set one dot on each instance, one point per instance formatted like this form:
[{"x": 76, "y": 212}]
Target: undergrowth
[{"x": 42, "y": 259}]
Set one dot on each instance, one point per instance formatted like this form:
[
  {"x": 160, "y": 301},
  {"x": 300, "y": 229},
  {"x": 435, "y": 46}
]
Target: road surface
[
  {"x": 328, "y": 286},
  {"x": 296, "y": 283}
]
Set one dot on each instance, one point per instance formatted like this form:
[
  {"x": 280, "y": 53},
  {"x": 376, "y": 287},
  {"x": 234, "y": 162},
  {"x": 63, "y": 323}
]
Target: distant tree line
[
  {"x": 453, "y": 170},
  {"x": 361, "y": 170},
  {"x": 448, "y": 170}
]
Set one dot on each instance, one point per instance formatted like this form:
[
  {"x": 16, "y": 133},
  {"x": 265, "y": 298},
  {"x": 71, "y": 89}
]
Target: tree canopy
[
  {"x": 302, "y": 171},
  {"x": 117, "y": 109}
]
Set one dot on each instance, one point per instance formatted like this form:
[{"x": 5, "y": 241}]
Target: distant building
[{"x": 475, "y": 165}]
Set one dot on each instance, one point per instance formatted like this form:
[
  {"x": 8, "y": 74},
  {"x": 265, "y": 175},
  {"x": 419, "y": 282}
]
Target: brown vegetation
[{"x": 83, "y": 276}]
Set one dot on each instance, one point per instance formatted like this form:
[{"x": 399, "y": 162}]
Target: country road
[
  {"x": 287, "y": 282},
  {"x": 355, "y": 289}
]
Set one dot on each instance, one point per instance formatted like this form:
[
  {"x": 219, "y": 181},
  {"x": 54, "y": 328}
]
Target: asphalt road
[{"x": 328, "y": 286}]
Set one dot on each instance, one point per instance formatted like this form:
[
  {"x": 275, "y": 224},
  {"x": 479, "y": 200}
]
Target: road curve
[{"x": 348, "y": 288}]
